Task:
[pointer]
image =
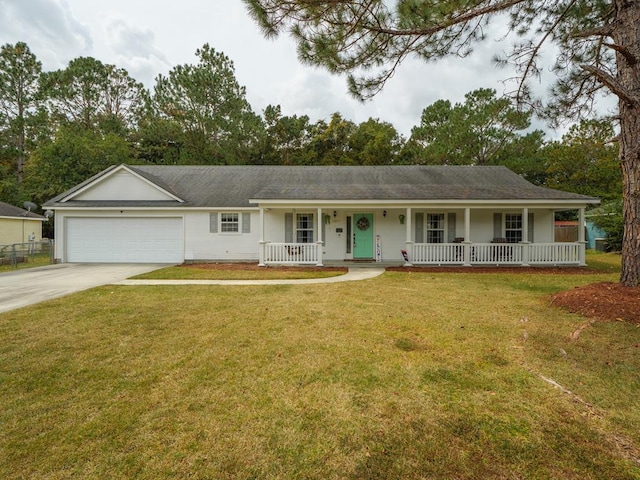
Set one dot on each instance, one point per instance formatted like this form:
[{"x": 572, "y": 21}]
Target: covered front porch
[{"x": 421, "y": 235}]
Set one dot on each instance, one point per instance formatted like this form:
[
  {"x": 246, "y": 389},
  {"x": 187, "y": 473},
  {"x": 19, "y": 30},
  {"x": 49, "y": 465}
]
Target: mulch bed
[{"x": 602, "y": 301}]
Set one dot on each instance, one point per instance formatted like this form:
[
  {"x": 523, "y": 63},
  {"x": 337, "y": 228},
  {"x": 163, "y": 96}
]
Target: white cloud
[
  {"x": 48, "y": 27},
  {"x": 135, "y": 50},
  {"x": 149, "y": 38},
  {"x": 313, "y": 93}
]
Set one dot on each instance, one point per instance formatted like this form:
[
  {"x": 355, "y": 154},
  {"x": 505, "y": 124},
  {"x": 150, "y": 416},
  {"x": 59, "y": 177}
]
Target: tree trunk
[
  {"x": 627, "y": 35},
  {"x": 21, "y": 145}
]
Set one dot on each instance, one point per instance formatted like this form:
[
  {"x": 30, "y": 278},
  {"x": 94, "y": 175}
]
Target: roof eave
[{"x": 550, "y": 203}]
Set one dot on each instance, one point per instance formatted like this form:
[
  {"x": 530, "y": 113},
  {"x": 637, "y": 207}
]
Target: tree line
[{"x": 60, "y": 127}]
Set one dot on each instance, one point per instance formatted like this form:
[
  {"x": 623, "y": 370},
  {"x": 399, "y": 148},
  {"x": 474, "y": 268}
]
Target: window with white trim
[
  {"x": 304, "y": 228},
  {"x": 229, "y": 222},
  {"x": 435, "y": 227},
  {"x": 513, "y": 227}
]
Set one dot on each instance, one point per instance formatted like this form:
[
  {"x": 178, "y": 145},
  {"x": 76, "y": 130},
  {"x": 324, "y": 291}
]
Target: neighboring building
[
  {"x": 458, "y": 215},
  {"x": 596, "y": 236},
  {"x": 18, "y": 225}
]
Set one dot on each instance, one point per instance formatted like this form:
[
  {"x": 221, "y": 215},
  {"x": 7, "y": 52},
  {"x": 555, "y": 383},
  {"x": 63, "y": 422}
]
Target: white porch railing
[
  {"x": 437, "y": 253},
  {"x": 291, "y": 253},
  {"x": 556, "y": 253},
  {"x": 497, "y": 253}
]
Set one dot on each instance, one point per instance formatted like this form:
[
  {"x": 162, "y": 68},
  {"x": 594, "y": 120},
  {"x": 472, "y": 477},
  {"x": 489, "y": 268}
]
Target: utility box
[{"x": 601, "y": 244}]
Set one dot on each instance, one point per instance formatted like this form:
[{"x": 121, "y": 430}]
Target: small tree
[
  {"x": 285, "y": 138},
  {"x": 75, "y": 155},
  {"x": 477, "y": 132},
  {"x": 19, "y": 103},
  {"x": 210, "y": 107},
  {"x": 94, "y": 96},
  {"x": 585, "y": 161},
  {"x": 609, "y": 218}
]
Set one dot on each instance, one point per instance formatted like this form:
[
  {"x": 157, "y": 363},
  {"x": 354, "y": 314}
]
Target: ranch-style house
[{"x": 411, "y": 215}]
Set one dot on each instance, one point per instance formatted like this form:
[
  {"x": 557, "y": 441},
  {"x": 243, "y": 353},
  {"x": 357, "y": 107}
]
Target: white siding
[
  {"x": 17, "y": 230},
  {"x": 123, "y": 186},
  {"x": 201, "y": 244}
]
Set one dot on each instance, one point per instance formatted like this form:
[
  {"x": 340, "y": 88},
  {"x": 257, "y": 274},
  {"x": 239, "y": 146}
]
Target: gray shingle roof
[
  {"x": 234, "y": 186},
  {"x": 7, "y": 210}
]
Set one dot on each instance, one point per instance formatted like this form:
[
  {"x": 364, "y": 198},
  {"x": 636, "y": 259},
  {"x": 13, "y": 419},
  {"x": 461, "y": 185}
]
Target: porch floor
[{"x": 362, "y": 263}]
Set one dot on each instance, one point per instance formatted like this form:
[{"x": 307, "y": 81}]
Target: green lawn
[
  {"x": 32, "y": 261},
  {"x": 187, "y": 272},
  {"x": 405, "y": 376}
]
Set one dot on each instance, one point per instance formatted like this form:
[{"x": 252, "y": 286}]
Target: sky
[{"x": 149, "y": 37}]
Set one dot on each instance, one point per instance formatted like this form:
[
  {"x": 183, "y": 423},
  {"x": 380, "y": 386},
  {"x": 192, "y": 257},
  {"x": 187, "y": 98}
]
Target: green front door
[{"x": 363, "y": 235}]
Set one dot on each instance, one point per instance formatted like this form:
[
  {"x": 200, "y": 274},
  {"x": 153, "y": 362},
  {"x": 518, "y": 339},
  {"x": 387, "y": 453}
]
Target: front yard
[{"x": 409, "y": 375}]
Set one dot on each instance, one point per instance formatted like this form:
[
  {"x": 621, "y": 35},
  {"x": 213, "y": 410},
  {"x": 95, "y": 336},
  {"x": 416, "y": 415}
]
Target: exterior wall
[
  {"x": 17, "y": 230},
  {"x": 393, "y": 233},
  {"x": 459, "y": 222},
  {"x": 201, "y": 244},
  {"x": 594, "y": 233},
  {"x": 122, "y": 186},
  {"x": 274, "y": 224},
  {"x": 482, "y": 224},
  {"x": 544, "y": 230}
]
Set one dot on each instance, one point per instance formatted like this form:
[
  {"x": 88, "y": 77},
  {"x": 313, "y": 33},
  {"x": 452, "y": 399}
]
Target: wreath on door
[{"x": 362, "y": 223}]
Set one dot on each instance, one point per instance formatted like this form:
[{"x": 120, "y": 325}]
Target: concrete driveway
[{"x": 29, "y": 286}]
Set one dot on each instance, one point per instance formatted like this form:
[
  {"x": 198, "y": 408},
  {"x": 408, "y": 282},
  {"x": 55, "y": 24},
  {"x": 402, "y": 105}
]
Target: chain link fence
[{"x": 27, "y": 255}]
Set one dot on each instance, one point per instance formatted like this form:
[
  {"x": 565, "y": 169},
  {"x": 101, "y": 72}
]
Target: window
[
  {"x": 435, "y": 228},
  {"x": 304, "y": 228},
  {"x": 229, "y": 222},
  {"x": 513, "y": 227}
]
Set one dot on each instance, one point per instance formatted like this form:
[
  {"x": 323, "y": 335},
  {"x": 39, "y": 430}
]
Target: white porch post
[
  {"x": 261, "y": 242},
  {"x": 581, "y": 238},
  {"x": 467, "y": 237},
  {"x": 408, "y": 241},
  {"x": 525, "y": 237},
  {"x": 319, "y": 243}
]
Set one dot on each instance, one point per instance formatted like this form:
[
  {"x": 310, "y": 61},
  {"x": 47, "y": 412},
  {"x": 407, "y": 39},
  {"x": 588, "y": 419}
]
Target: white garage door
[{"x": 124, "y": 240}]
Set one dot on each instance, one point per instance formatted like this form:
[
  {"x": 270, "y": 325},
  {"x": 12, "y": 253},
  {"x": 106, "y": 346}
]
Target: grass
[
  {"x": 36, "y": 260},
  {"x": 413, "y": 376},
  {"x": 604, "y": 262},
  {"x": 186, "y": 272}
]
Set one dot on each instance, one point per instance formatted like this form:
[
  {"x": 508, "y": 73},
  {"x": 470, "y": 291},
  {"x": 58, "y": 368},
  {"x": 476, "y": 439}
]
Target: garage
[{"x": 124, "y": 240}]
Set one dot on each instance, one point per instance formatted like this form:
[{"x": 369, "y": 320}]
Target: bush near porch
[{"x": 404, "y": 376}]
